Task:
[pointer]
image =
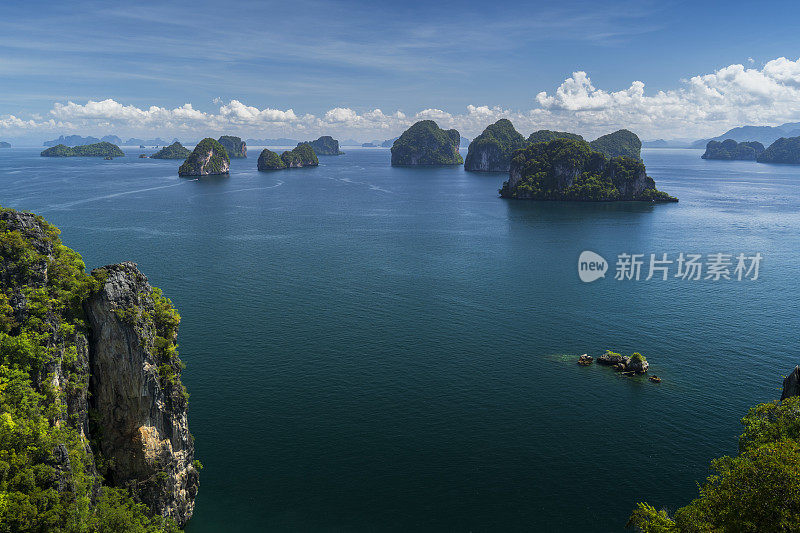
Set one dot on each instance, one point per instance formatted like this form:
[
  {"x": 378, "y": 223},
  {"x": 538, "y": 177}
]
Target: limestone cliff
[
  {"x": 90, "y": 362},
  {"x": 208, "y": 157},
  {"x": 234, "y": 146},
  {"x": 426, "y": 144},
  {"x": 491, "y": 151}
]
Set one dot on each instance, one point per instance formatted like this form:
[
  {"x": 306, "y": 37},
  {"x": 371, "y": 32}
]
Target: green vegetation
[
  {"x": 269, "y": 160},
  {"x": 567, "y": 169},
  {"x": 730, "y": 149},
  {"x": 638, "y": 358},
  {"x": 208, "y": 157},
  {"x": 174, "y": 151},
  {"x": 425, "y": 143},
  {"x": 543, "y": 136},
  {"x": 491, "y": 151},
  {"x": 325, "y": 145},
  {"x": 301, "y": 156},
  {"x": 101, "y": 149},
  {"x": 757, "y": 491},
  {"x": 234, "y": 146},
  {"x": 46, "y": 479},
  {"x": 621, "y": 143},
  {"x": 784, "y": 150}
]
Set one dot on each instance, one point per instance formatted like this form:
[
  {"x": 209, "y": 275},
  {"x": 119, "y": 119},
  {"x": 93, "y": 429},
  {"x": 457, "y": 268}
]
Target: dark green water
[{"x": 379, "y": 349}]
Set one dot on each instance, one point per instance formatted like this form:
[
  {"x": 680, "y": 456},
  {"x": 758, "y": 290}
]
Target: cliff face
[
  {"x": 208, "y": 157},
  {"x": 234, "y": 146},
  {"x": 425, "y": 143},
  {"x": 97, "y": 357},
  {"x": 491, "y": 151},
  {"x": 325, "y": 145},
  {"x": 136, "y": 393}
]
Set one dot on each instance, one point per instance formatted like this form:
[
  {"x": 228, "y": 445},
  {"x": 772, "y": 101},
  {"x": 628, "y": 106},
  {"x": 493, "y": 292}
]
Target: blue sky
[{"x": 312, "y": 57}]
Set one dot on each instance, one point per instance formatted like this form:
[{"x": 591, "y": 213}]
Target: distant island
[
  {"x": 301, "y": 156},
  {"x": 280, "y": 141},
  {"x": 784, "y": 150},
  {"x": 570, "y": 169},
  {"x": 325, "y": 145},
  {"x": 101, "y": 149},
  {"x": 208, "y": 158},
  {"x": 491, "y": 151},
  {"x": 158, "y": 141},
  {"x": 620, "y": 143},
  {"x": 388, "y": 142},
  {"x": 174, "y": 151},
  {"x": 235, "y": 146},
  {"x": 732, "y": 150},
  {"x": 766, "y": 135},
  {"x": 4, "y": 144},
  {"x": 368, "y": 145},
  {"x": 426, "y": 144}
]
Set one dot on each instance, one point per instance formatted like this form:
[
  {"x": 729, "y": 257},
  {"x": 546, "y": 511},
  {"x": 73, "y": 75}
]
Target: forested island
[
  {"x": 101, "y": 149},
  {"x": 94, "y": 433},
  {"x": 207, "y": 158},
  {"x": 569, "y": 169},
  {"x": 174, "y": 151},
  {"x": 732, "y": 150},
  {"x": 301, "y": 156},
  {"x": 325, "y": 145},
  {"x": 785, "y": 150},
  {"x": 426, "y": 144},
  {"x": 235, "y": 146}
]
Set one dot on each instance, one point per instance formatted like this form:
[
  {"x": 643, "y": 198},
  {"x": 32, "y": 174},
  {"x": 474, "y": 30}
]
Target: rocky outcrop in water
[
  {"x": 208, "y": 158},
  {"x": 101, "y": 149},
  {"x": 325, "y": 145},
  {"x": 621, "y": 143},
  {"x": 234, "y": 146},
  {"x": 174, "y": 151},
  {"x": 791, "y": 384},
  {"x": 785, "y": 150},
  {"x": 491, "y": 151},
  {"x": 269, "y": 160},
  {"x": 732, "y": 150},
  {"x": 100, "y": 352},
  {"x": 425, "y": 143}
]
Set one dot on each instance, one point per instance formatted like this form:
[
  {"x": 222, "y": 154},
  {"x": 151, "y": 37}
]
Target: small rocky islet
[
  {"x": 785, "y": 150},
  {"x": 207, "y": 159},
  {"x": 426, "y": 144},
  {"x": 325, "y": 145},
  {"x": 301, "y": 156},
  {"x": 635, "y": 364},
  {"x": 234, "y": 146},
  {"x": 174, "y": 151}
]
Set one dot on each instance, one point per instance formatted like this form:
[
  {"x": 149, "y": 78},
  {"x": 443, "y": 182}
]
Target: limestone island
[
  {"x": 4, "y": 144},
  {"x": 543, "y": 136},
  {"x": 785, "y": 150},
  {"x": 325, "y": 145},
  {"x": 235, "y": 146},
  {"x": 491, "y": 150},
  {"x": 101, "y": 149},
  {"x": 731, "y": 150},
  {"x": 621, "y": 143},
  {"x": 174, "y": 151},
  {"x": 208, "y": 158},
  {"x": 426, "y": 144},
  {"x": 94, "y": 427},
  {"x": 568, "y": 169},
  {"x": 635, "y": 364},
  {"x": 301, "y": 156}
]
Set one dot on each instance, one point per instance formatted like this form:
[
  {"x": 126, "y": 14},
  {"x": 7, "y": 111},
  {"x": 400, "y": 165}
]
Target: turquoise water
[{"x": 384, "y": 349}]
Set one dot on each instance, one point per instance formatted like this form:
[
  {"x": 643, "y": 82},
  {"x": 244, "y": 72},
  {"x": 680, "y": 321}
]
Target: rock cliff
[
  {"x": 791, "y": 384},
  {"x": 234, "y": 146},
  {"x": 425, "y": 143},
  {"x": 325, "y": 145},
  {"x": 269, "y": 160},
  {"x": 90, "y": 377},
  {"x": 491, "y": 151},
  {"x": 208, "y": 157},
  {"x": 301, "y": 156}
]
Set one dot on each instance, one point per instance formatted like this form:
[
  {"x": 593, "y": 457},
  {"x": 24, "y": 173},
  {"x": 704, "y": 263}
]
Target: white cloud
[{"x": 706, "y": 104}]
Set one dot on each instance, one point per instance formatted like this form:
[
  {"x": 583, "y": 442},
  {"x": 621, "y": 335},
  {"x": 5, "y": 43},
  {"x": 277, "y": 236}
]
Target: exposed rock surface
[
  {"x": 791, "y": 384},
  {"x": 566, "y": 169},
  {"x": 142, "y": 414},
  {"x": 732, "y": 150},
  {"x": 234, "y": 146},
  {"x": 425, "y": 143},
  {"x": 325, "y": 145},
  {"x": 209, "y": 157},
  {"x": 491, "y": 151}
]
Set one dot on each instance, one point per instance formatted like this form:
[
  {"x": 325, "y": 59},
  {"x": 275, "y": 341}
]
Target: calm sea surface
[{"x": 385, "y": 349}]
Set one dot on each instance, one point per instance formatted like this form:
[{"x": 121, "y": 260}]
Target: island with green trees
[
  {"x": 101, "y": 149},
  {"x": 174, "y": 151},
  {"x": 785, "y": 150},
  {"x": 93, "y": 431},
  {"x": 269, "y": 160},
  {"x": 491, "y": 150},
  {"x": 426, "y": 144},
  {"x": 757, "y": 490},
  {"x": 235, "y": 146},
  {"x": 568, "y": 169},
  {"x": 543, "y": 136},
  {"x": 325, "y": 145},
  {"x": 621, "y": 143},
  {"x": 301, "y": 156},
  {"x": 731, "y": 150},
  {"x": 207, "y": 158}
]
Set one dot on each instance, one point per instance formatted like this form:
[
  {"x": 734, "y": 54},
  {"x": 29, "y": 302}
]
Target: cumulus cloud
[{"x": 703, "y": 105}]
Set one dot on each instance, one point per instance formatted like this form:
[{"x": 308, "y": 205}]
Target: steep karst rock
[
  {"x": 791, "y": 384},
  {"x": 620, "y": 143},
  {"x": 325, "y": 145},
  {"x": 785, "y": 150},
  {"x": 425, "y": 143},
  {"x": 269, "y": 160},
  {"x": 491, "y": 151},
  {"x": 235, "y": 146},
  {"x": 301, "y": 156},
  {"x": 208, "y": 157},
  {"x": 566, "y": 169},
  {"x": 732, "y": 150},
  {"x": 174, "y": 151}
]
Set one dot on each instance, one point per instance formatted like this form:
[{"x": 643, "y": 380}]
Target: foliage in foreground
[{"x": 757, "y": 491}]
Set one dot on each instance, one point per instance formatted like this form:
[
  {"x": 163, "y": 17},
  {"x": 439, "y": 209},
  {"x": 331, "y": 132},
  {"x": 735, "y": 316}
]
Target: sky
[{"x": 369, "y": 69}]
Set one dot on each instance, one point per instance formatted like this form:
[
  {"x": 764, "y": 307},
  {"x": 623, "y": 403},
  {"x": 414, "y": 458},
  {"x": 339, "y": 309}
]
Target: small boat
[{"x": 655, "y": 379}]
